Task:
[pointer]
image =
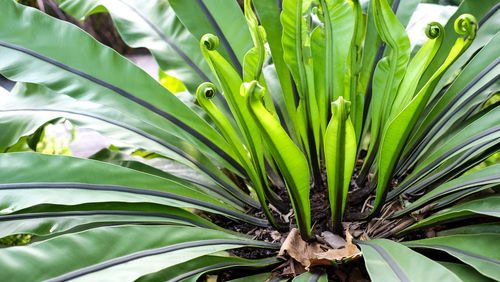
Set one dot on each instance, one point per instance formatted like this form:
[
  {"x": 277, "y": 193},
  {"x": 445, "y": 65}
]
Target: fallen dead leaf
[
  {"x": 299, "y": 249},
  {"x": 311, "y": 254},
  {"x": 337, "y": 256}
]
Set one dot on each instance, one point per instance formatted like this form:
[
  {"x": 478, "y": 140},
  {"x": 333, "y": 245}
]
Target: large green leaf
[
  {"x": 340, "y": 157},
  {"x": 288, "y": 157},
  {"x": 51, "y": 220},
  {"x": 193, "y": 269},
  {"x": 268, "y": 12},
  {"x": 294, "y": 39},
  {"x": 223, "y": 18},
  {"x": 70, "y": 69},
  {"x": 390, "y": 261},
  {"x": 152, "y": 25},
  {"x": 487, "y": 206},
  {"x": 479, "y": 179},
  {"x": 338, "y": 19},
  {"x": 297, "y": 55},
  {"x": 481, "y": 251},
  {"x": 33, "y": 105},
  {"x": 465, "y": 272},
  {"x": 70, "y": 181},
  {"x": 121, "y": 252}
]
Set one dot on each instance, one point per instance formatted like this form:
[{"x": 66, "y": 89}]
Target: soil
[{"x": 359, "y": 201}]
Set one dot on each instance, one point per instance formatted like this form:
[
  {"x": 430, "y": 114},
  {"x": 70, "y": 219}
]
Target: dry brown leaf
[
  {"x": 299, "y": 249},
  {"x": 310, "y": 254}
]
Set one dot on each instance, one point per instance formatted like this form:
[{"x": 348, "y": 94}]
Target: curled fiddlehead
[
  {"x": 433, "y": 30},
  {"x": 209, "y": 41},
  {"x": 205, "y": 92},
  {"x": 466, "y": 25},
  {"x": 230, "y": 82},
  {"x": 403, "y": 123}
]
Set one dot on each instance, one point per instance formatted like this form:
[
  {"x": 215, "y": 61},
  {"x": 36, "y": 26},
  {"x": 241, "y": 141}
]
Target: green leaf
[
  {"x": 321, "y": 91},
  {"x": 393, "y": 33},
  {"x": 297, "y": 54},
  {"x": 192, "y": 270},
  {"x": 481, "y": 251},
  {"x": 30, "y": 57},
  {"x": 223, "y": 18},
  {"x": 492, "y": 227},
  {"x": 465, "y": 272},
  {"x": 70, "y": 181},
  {"x": 386, "y": 260},
  {"x": 295, "y": 39},
  {"x": 338, "y": 19},
  {"x": 53, "y": 220},
  {"x": 28, "y": 111},
  {"x": 399, "y": 128},
  {"x": 290, "y": 160},
  {"x": 340, "y": 157},
  {"x": 114, "y": 252},
  {"x": 152, "y": 25},
  {"x": 311, "y": 277},
  {"x": 269, "y": 16},
  {"x": 487, "y": 206},
  {"x": 481, "y": 178}
]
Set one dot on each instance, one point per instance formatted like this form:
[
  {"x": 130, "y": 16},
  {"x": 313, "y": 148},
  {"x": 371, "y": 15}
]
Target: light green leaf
[
  {"x": 386, "y": 260},
  {"x": 487, "y": 206},
  {"x": 28, "y": 111},
  {"x": 192, "y": 270},
  {"x": 340, "y": 157},
  {"x": 71, "y": 181},
  {"x": 481, "y": 178},
  {"x": 465, "y": 272},
  {"x": 121, "y": 252},
  {"x": 288, "y": 157},
  {"x": 395, "y": 134},
  {"x": 53, "y": 220},
  {"x": 223, "y": 18},
  {"x": 70, "y": 69},
  {"x": 481, "y": 251},
  {"x": 152, "y": 25}
]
